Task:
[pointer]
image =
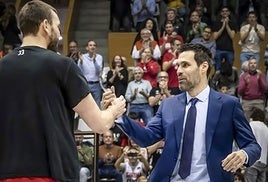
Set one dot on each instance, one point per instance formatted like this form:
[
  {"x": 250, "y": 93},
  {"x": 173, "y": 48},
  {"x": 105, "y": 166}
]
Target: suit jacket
[{"x": 225, "y": 122}]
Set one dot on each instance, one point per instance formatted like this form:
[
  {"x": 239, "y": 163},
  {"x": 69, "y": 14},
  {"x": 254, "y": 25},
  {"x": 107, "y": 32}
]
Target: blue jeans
[
  {"x": 144, "y": 111},
  {"x": 220, "y": 55},
  {"x": 96, "y": 92},
  {"x": 244, "y": 56}
]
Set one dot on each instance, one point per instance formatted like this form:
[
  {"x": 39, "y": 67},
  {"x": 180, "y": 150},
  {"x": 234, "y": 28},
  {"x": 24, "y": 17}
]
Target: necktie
[{"x": 188, "y": 141}]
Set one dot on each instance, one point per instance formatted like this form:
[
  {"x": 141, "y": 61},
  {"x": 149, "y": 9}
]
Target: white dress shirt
[{"x": 199, "y": 170}]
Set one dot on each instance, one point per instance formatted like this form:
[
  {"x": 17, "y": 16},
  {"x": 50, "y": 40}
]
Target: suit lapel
[
  {"x": 178, "y": 125},
  {"x": 214, "y": 109}
]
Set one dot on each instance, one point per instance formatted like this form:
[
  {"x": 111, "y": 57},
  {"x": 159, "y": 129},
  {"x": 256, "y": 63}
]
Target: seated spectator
[
  {"x": 227, "y": 76},
  {"x": 85, "y": 156},
  {"x": 162, "y": 91},
  {"x": 177, "y": 22},
  {"x": 168, "y": 61},
  {"x": 121, "y": 15},
  {"x": 143, "y": 43},
  {"x": 137, "y": 96},
  {"x": 149, "y": 65},
  {"x": 195, "y": 27},
  {"x": 251, "y": 36},
  {"x": 135, "y": 165},
  {"x": 257, "y": 172},
  {"x": 141, "y": 10},
  {"x": 74, "y": 53},
  {"x": 168, "y": 35},
  {"x": 108, "y": 154},
  {"x": 251, "y": 88},
  {"x": 206, "y": 40},
  {"x": 117, "y": 76}
]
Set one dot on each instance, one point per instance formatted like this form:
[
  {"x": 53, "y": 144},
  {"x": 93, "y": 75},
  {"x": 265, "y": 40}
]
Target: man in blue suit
[{"x": 219, "y": 121}]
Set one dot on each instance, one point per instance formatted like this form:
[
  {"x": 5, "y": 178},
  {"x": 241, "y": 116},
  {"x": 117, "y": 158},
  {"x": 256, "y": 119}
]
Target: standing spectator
[
  {"x": 9, "y": 28},
  {"x": 134, "y": 167},
  {"x": 108, "y": 154},
  {"x": 118, "y": 76},
  {"x": 206, "y": 41},
  {"x": 168, "y": 35},
  {"x": 137, "y": 95},
  {"x": 168, "y": 63},
  {"x": 223, "y": 33},
  {"x": 85, "y": 156},
  {"x": 251, "y": 36},
  {"x": 145, "y": 42},
  {"x": 41, "y": 92},
  {"x": 162, "y": 91},
  {"x": 74, "y": 53},
  {"x": 121, "y": 15},
  {"x": 251, "y": 88},
  {"x": 141, "y": 10},
  {"x": 195, "y": 27},
  {"x": 177, "y": 22},
  {"x": 91, "y": 65},
  {"x": 257, "y": 172},
  {"x": 149, "y": 65}
]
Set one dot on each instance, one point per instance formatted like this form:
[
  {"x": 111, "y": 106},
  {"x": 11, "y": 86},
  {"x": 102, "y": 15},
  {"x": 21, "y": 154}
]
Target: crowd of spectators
[{"x": 153, "y": 78}]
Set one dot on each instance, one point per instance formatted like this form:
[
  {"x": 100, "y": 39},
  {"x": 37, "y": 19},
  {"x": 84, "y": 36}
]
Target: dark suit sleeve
[
  {"x": 143, "y": 136},
  {"x": 244, "y": 136}
]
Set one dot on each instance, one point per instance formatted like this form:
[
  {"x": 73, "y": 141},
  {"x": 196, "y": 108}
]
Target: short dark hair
[
  {"x": 258, "y": 114},
  {"x": 202, "y": 54},
  {"x": 32, "y": 14}
]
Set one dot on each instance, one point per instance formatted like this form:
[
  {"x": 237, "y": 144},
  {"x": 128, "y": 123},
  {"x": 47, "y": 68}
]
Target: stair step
[
  {"x": 95, "y": 4},
  {"x": 93, "y": 20},
  {"x": 97, "y": 27},
  {"x": 86, "y": 33},
  {"x": 95, "y": 12}
]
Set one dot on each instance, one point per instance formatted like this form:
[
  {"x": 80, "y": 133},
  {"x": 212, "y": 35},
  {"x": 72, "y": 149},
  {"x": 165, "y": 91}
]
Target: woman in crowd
[{"x": 118, "y": 76}]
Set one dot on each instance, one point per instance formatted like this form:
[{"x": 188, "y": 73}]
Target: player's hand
[{"x": 107, "y": 98}]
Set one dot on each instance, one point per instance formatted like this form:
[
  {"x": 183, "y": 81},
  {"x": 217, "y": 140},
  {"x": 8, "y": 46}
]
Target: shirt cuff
[
  {"x": 119, "y": 120},
  {"x": 246, "y": 156}
]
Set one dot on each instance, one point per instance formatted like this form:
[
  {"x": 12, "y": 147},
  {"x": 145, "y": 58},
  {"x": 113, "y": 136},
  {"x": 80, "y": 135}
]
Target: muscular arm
[{"x": 99, "y": 121}]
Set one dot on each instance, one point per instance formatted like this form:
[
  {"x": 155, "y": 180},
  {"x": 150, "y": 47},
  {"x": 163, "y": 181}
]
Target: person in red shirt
[
  {"x": 149, "y": 65},
  {"x": 168, "y": 35},
  {"x": 168, "y": 63}
]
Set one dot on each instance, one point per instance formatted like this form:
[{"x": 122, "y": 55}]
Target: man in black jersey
[{"x": 40, "y": 91}]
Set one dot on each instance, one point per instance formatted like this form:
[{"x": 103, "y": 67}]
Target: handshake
[{"x": 117, "y": 105}]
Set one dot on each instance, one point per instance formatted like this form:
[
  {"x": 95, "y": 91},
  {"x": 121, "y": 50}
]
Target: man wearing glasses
[
  {"x": 206, "y": 40},
  {"x": 162, "y": 91}
]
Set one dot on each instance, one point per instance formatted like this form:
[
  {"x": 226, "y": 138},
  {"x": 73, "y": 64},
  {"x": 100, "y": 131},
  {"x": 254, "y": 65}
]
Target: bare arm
[{"x": 99, "y": 121}]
